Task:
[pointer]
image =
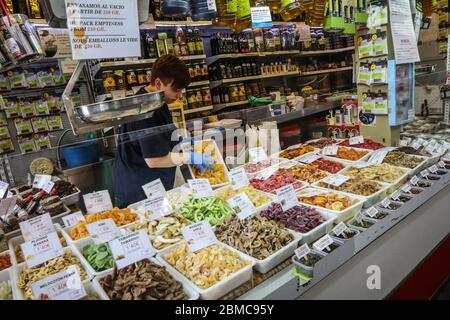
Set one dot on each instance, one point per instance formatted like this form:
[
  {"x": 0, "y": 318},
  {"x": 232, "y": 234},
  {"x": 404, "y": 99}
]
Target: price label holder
[
  {"x": 302, "y": 251},
  {"x": 242, "y": 205},
  {"x": 239, "y": 178},
  {"x": 64, "y": 285},
  {"x": 73, "y": 219},
  {"x": 403, "y": 143},
  {"x": 323, "y": 243},
  {"x": 441, "y": 164},
  {"x": 358, "y": 217},
  {"x": 330, "y": 150},
  {"x": 433, "y": 168},
  {"x": 40, "y": 180},
  {"x": 37, "y": 227},
  {"x": 257, "y": 154},
  {"x": 378, "y": 157},
  {"x": 339, "y": 229},
  {"x": 424, "y": 174},
  {"x": 154, "y": 189},
  {"x": 97, "y": 202},
  {"x": 287, "y": 197},
  {"x": 356, "y": 140},
  {"x": 159, "y": 206},
  {"x": 336, "y": 180},
  {"x": 414, "y": 180},
  {"x": 131, "y": 248},
  {"x": 3, "y": 189},
  {"x": 103, "y": 231},
  {"x": 199, "y": 235},
  {"x": 386, "y": 203},
  {"x": 48, "y": 186},
  {"x": 309, "y": 158},
  {"x": 42, "y": 249},
  {"x": 201, "y": 188},
  {"x": 406, "y": 188},
  {"x": 372, "y": 212},
  {"x": 395, "y": 195},
  {"x": 416, "y": 145}
]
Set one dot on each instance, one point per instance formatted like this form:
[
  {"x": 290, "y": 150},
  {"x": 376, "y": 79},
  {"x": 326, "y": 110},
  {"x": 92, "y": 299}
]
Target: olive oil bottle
[{"x": 290, "y": 9}]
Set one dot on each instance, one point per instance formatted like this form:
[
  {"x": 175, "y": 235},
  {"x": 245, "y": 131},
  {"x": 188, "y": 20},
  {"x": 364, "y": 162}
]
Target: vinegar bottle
[{"x": 290, "y": 9}]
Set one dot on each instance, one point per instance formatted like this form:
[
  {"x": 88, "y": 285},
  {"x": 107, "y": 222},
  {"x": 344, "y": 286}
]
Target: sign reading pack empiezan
[{"x": 103, "y": 29}]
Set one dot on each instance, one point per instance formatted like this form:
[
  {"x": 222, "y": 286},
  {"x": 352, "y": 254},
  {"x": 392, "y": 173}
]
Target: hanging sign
[{"x": 103, "y": 29}]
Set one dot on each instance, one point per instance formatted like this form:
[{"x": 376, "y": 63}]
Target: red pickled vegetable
[
  {"x": 299, "y": 218},
  {"x": 275, "y": 182},
  {"x": 368, "y": 144}
]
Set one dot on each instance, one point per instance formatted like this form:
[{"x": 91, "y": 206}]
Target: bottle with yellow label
[
  {"x": 290, "y": 9},
  {"x": 226, "y": 13}
]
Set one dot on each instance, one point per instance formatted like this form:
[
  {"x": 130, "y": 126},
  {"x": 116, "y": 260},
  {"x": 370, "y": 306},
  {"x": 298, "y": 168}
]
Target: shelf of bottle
[
  {"x": 214, "y": 84},
  {"x": 207, "y": 108},
  {"x": 213, "y": 59},
  {"x": 221, "y": 106},
  {"x": 198, "y": 83},
  {"x": 155, "y": 24}
]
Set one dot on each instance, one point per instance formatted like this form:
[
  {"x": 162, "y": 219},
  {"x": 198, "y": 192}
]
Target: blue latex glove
[{"x": 201, "y": 160}]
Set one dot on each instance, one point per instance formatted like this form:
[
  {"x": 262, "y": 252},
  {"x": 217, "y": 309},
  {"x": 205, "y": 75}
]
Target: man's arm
[{"x": 172, "y": 159}]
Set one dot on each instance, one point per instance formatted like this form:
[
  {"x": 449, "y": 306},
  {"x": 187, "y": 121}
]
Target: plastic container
[
  {"x": 384, "y": 209},
  {"x": 302, "y": 268},
  {"x": 335, "y": 237},
  {"x": 278, "y": 155},
  {"x": 362, "y": 159},
  {"x": 262, "y": 207},
  {"x": 352, "y": 221},
  {"x": 341, "y": 215},
  {"x": 222, "y": 287},
  {"x": 71, "y": 199},
  {"x": 81, "y": 154},
  {"x": 7, "y": 275}
]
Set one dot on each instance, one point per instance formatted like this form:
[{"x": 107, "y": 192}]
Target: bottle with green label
[
  {"x": 290, "y": 9},
  {"x": 226, "y": 13},
  {"x": 243, "y": 16}
]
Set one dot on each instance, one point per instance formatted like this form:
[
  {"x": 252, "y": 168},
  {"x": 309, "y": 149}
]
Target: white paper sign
[
  {"x": 201, "y": 188},
  {"x": 309, "y": 158},
  {"x": 267, "y": 173},
  {"x": 42, "y": 249},
  {"x": 257, "y": 154},
  {"x": 103, "y": 29},
  {"x": 154, "y": 189},
  {"x": 3, "y": 187},
  {"x": 424, "y": 173},
  {"x": 37, "y": 227},
  {"x": 302, "y": 251},
  {"x": 403, "y": 143},
  {"x": 433, "y": 168},
  {"x": 414, "y": 180},
  {"x": 7, "y": 206},
  {"x": 323, "y": 242},
  {"x": 242, "y": 205},
  {"x": 358, "y": 217},
  {"x": 73, "y": 219},
  {"x": 406, "y": 188},
  {"x": 372, "y": 212},
  {"x": 131, "y": 248},
  {"x": 441, "y": 164},
  {"x": 386, "y": 203},
  {"x": 378, "y": 156},
  {"x": 40, "y": 180},
  {"x": 199, "y": 235},
  {"x": 261, "y": 17},
  {"x": 339, "y": 229},
  {"x": 97, "y": 202},
  {"x": 48, "y": 186},
  {"x": 287, "y": 197},
  {"x": 330, "y": 150},
  {"x": 356, "y": 140},
  {"x": 103, "y": 231},
  {"x": 395, "y": 195},
  {"x": 416, "y": 145},
  {"x": 239, "y": 178},
  {"x": 336, "y": 180},
  {"x": 403, "y": 34},
  {"x": 159, "y": 206},
  {"x": 64, "y": 285}
]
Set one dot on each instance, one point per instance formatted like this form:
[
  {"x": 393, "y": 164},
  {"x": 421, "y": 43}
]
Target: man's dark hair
[{"x": 170, "y": 69}]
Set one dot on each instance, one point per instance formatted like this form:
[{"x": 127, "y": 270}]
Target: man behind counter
[{"x": 144, "y": 147}]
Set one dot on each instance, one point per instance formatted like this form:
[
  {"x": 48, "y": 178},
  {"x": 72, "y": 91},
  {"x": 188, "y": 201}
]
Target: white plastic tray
[
  {"x": 350, "y": 223},
  {"x": 187, "y": 287},
  {"x": 275, "y": 161},
  {"x": 222, "y": 287},
  {"x": 362, "y": 159},
  {"x": 271, "y": 196},
  {"x": 278, "y": 155},
  {"x": 7, "y": 275},
  {"x": 341, "y": 215},
  {"x": 18, "y": 269}
]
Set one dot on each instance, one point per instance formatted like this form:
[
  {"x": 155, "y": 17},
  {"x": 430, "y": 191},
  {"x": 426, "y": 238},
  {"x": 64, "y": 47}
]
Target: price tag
[
  {"x": 302, "y": 251},
  {"x": 3, "y": 188},
  {"x": 40, "y": 180},
  {"x": 261, "y": 17},
  {"x": 64, "y": 285},
  {"x": 267, "y": 173},
  {"x": 239, "y": 178},
  {"x": 199, "y": 235},
  {"x": 97, "y": 202},
  {"x": 386, "y": 202},
  {"x": 424, "y": 173},
  {"x": 48, "y": 186},
  {"x": 323, "y": 242},
  {"x": 414, "y": 180},
  {"x": 356, "y": 140},
  {"x": 287, "y": 197},
  {"x": 430, "y": 148},
  {"x": 159, "y": 206},
  {"x": 395, "y": 195},
  {"x": 330, "y": 150},
  {"x": 257, "y": 154},
  {"x": 378, "y": 156},
  {"x": 416, "y": 145},
  {"x": 7, "y": 206},
  {"x": 288, "y": 164},
  {"x": 361, "y": 165},
  {"x": 372, "y": 212},
  {"x": 154, "y": 188},
  {"x": 131, "y": 248},
  {"x": 336, "y": 180},
  {"x": 406, "y": 188},
  {"x": 42, "y": 249},
  {"x": 242, "y": 205},
  {"x": 200, "y": 188},
  {"x": 441, "y": 164},
  {"x": 358, "y": 217},
  {"x": 73, "y": 219},
  {"x": 339, "y": 229},
  {"x": 433, "y": 168},
  {"x": 309, "y": 158},
  {"x": 403, "y": 143},
  {"x": 103, "y": 231},
  {"x": 37, "y": 227}
]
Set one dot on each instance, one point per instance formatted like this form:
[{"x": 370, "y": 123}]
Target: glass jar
[
  {"x": 149, "y": 75},
  {"x": 121, "y": 80},
  {"x": 109, "y": 83},
  {"x": 191, "y": 98},
  {"x": 199, "y": 99},
  {"x": 206, "y": 96},
  {"x": 142, "y": 77},
  {"x": 131, "y": 79},
  {"x": 242, "y": 92},
  {"x": 233, "y": 93}
]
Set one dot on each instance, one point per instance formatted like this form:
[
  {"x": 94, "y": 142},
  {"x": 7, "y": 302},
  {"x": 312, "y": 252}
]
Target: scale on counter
[{"x": 107, "y": 114}]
